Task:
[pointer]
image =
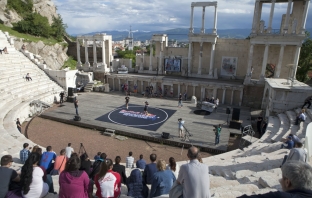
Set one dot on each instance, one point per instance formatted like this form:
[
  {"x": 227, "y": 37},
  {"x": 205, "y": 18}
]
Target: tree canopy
[{"x": 305, "y": 59}]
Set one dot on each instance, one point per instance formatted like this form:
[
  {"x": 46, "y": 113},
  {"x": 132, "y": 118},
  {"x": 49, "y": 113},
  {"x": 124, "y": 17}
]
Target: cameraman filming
[{"x": 181, "y": 123}]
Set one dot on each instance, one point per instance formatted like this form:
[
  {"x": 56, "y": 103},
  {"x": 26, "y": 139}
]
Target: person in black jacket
[
  {"x": 85, "y": 163},
  {"x": 120, "y": 169},
  {"x": 97, "y": 165},
  {"x": 296, "y": 182}
]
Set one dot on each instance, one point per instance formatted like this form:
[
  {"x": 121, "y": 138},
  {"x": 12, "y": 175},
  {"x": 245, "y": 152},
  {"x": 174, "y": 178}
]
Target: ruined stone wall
[{"x": 252, "y": 96}]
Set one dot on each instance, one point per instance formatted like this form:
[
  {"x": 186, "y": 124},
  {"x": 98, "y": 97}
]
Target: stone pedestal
[
  {"x": 106, "y": 88},
  {"x": 194, "y": 100}
]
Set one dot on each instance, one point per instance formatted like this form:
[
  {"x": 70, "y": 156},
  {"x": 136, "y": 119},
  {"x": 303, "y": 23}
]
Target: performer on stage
[
  {"x": 62, "y": 97},
  {"x": 127, "y": 100},
  {"x": 181, "y": 123},
  {"x": 180, "y": 101},
  {"x": 145, "y": 108}
]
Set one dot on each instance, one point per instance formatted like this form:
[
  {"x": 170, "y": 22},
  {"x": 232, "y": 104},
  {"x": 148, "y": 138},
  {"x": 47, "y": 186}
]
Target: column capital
[{"x": 283, "y": 45}]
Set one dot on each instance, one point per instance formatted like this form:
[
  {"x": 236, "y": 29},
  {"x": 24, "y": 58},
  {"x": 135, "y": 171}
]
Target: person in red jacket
[{"x": 108, "y": 182}]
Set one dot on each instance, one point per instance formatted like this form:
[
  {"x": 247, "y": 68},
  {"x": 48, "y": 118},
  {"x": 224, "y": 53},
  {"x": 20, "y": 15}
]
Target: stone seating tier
[{"x": 284, "y": 127}]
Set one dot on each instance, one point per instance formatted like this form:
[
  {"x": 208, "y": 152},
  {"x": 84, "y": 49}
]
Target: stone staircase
[{"x": 16, "y": 95}]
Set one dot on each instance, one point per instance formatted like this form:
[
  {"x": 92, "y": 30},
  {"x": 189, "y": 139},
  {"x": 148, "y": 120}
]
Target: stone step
[
  {"x": 292, "y": 127},
  {"x": 284, "y": 127},
  {"x": 272, "y": 128}
]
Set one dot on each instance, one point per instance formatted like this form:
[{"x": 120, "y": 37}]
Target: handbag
[{"x": 56, "y": 172}]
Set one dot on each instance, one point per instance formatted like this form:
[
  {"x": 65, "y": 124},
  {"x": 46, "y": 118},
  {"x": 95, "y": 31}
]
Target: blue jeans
[
  {"x": 217, "y": 139},
  {"x": 77, "y": 111}
]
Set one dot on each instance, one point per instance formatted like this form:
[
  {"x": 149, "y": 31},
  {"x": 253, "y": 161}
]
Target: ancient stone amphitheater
[{"x": 253, "y": 170}]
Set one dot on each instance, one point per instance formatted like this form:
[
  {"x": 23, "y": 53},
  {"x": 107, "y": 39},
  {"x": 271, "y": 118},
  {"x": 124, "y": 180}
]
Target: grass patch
[
  {"x": 27, "y": 37},
  {"x": 70, "y": 63}
]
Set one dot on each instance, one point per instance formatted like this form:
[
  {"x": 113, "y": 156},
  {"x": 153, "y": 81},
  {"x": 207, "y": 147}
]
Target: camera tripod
[
  {"x": 82, "y": 149},
  {"x": 187, "y": 135}
]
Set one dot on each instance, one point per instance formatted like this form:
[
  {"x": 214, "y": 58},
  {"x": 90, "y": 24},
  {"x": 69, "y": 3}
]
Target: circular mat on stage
[
  {"x": 201, "y": 112},
  {"x": 134, "y": 116}
]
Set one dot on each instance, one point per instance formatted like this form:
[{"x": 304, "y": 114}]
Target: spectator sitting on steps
[
  {"x": 307, "y": 102},
  {"x": 28, "y": 77},
  {"x": 23, "y": 47},
  {"x": 297, "y": 154},
  {"x": 294, "y": 138},
  {"x": 5, "y": 50},
  {"x": 289, "y": 143},
  {"x": 301, "y": 118},
  {"x": 296, "y": 182}
]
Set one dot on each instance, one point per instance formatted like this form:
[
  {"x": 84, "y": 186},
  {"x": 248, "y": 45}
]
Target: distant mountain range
[{"x": 179, "y": 34}]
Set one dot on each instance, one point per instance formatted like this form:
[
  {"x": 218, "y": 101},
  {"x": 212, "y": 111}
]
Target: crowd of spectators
[{"x": 78, "y": 175}]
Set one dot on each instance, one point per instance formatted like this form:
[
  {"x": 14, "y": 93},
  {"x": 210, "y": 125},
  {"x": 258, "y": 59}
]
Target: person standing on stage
[
  {"x": 145, "y": 108},
  {"x": 180, "y": 101},
  {"x": 181, "y": 123},
  {"x": 217, "y": 132},
  {"x": 127, "y": 100},
  {"x": 76, "y": 106},
  {"x": 62, "y": 97}
]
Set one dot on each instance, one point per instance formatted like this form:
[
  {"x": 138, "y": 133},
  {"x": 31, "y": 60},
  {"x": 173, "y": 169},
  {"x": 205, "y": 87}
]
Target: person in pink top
[
  {"x": 73, "y": 182},
  {"x": 108, "y": 182},
  {"x": 60, "y": 161}
]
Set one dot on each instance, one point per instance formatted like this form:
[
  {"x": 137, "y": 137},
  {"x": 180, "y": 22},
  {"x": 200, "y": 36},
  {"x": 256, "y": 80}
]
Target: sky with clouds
[{"x": 83, "y": 16}]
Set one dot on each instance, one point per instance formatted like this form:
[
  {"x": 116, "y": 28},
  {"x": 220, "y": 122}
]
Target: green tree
[
  {"x": 58, "y": 28},
  {"x": 21, "y": 7},
  {"x": 305, "y": 59},
  {"x": 34, "y": 24}
]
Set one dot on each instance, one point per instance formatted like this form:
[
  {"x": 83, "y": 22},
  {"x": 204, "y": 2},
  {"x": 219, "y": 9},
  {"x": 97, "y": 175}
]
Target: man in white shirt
[
  {"x": 129, "y": 160},
  {"x": 301, "y": 118},
  {"x": 194, "y": 176},
  {"x": 69, "y": 150}
]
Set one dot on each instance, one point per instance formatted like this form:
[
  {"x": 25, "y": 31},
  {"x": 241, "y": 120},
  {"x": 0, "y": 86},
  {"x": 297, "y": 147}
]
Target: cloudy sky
[{"x": 83, "y": 16}]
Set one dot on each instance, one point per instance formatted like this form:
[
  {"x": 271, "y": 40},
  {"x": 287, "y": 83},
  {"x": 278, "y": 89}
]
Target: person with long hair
[
  {"x": 108, "y": 182},
  {"x": 173, "y": 166},
  {"x": 162, "y": 180},
  {"x": 32, "y": 182},
  {"x": 85, "y": 163},
  {"x": 73, "y": 182}
]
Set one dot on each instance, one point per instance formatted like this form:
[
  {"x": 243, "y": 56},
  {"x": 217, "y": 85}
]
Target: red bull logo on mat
[{"x": 136, "y": 114}]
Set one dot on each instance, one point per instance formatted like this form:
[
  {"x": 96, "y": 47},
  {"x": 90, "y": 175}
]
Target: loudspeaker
[
  {"x": 235, "y": 114},
  {"x": 77, "y": 118},
  {"x": 228, "y": 110},
  {"x": 235, "y": 125},
  {"x": 70, "y": 91},
  {"x": 165, "y": 135}
]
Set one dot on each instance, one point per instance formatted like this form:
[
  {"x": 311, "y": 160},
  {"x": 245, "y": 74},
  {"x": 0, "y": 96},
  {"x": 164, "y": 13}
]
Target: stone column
[
  {"x": 103, "y": 54},
  {"x": 223, "y": 96},
  {"x": 271, "y": 16},
  {"x": 287, "y": 17},
  {"x": 179, "y": 89},
  {"x": 200, "y": 59},
  {"x": 87, "y": 64},
  {"x": 232, "y": 95},
  {"x": 162, "y": 89},
  {"x": 255, "y": 18},
  {"x": 212, "y": 58},
  {"x": 160, "y": 58},
  {"x": 265, "y": 61},
  {"x": 151, "y": 55},
  {"x": 250, "y": 57},
  {"x": 280, "y": 61},
  {"x": 214, "y": 93},
  {"x": 94, "y": 54},
  {"x": 192, "y": 19},
  {"x": 214, "y": 31},
  {"x": 203, "y": 21},
  {"x": 202, "y": 91},
  {"x": 189, "y": 61},
  {"x": 296, "y": 60},
  {"x": 241, "y": 98},
  {"x": 119, "y": 85},
  {"x": 193, "y": 90},
  {"x": 78, "y": 54},
  {"x": 142, "y": 86},
  {"x": 304, "y": 16},
  {"x": 113, "y": 84}
]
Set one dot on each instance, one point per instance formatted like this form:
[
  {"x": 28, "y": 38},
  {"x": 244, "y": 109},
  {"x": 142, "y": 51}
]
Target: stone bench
[{"x": 284, "y": 127}]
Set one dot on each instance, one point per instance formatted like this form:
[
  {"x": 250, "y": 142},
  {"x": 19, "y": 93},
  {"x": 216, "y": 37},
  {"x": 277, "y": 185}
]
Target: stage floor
[{"x": 108, "y": 110}]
